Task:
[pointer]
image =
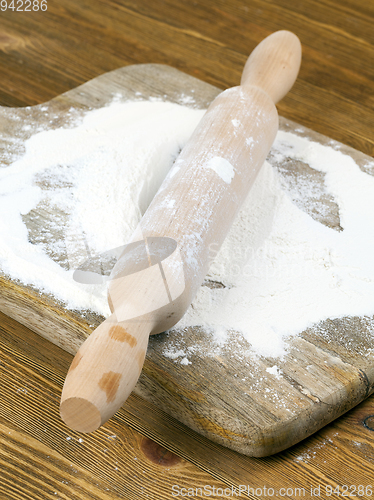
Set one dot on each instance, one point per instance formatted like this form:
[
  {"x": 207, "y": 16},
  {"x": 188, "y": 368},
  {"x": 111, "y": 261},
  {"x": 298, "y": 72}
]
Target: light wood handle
[
  {"x": 274, "y": 64},
  {"x": 103, "y": 373},
  {"x": 162, "y": 268}
]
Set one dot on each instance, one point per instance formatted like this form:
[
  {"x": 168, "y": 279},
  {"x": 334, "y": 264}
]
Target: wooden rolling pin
[{"x": 161, "y": 269}]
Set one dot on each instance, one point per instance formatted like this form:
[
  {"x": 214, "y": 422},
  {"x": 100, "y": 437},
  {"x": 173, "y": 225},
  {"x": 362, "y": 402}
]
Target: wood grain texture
[
  {"x": 241, "y": 406},
  {"x": 112, "y": 463},
  {"x": 44, "y": 54},
  {"x": 142, "y": 451}
]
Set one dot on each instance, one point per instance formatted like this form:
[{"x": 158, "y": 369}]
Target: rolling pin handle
[
  {"x": 274, "y": 64},
  {"x": 103, "y": 373}
]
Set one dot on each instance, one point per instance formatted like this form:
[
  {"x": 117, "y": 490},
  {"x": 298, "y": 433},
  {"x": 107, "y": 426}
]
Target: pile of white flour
[{"x": 279, "y": 270}]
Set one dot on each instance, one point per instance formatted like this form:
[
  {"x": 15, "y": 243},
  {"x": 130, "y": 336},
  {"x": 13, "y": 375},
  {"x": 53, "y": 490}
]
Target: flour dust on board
[{"x": 300, "y": 250}]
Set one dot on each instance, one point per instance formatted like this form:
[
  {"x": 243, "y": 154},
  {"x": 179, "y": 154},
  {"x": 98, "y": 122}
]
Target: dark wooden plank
[
  {"x": 40, "y": 456},
  {"x": 210, "y": 40}
]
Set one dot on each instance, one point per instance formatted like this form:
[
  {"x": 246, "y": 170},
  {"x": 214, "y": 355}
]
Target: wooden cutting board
[{"x": 327, "y": 371}]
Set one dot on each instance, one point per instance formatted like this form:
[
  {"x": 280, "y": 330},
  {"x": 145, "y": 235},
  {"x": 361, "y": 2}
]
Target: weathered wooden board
[{"x": 327, "y": 370}]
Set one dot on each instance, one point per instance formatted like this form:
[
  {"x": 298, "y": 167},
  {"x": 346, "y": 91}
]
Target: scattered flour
[
  {"x": 282, "y": 270},
  {"x": 275, "y": 370},
  {"x": 99, "y": 178},
  {"x": 279, "y": 271}
]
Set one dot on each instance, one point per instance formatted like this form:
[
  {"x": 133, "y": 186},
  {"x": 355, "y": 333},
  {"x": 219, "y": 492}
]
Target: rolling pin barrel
[{"x": 157, "y": 276}]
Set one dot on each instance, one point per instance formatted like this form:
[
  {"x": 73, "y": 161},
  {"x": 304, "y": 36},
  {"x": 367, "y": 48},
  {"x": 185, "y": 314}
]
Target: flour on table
[
  {"x": 98, "y": 178},
  {"x": 282, "y": 271},
  {"x": 279, "y": 271}
]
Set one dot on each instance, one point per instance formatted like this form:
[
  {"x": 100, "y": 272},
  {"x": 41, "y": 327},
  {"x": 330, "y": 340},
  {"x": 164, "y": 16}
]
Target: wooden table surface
[{"x": 142, "y": 452}]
